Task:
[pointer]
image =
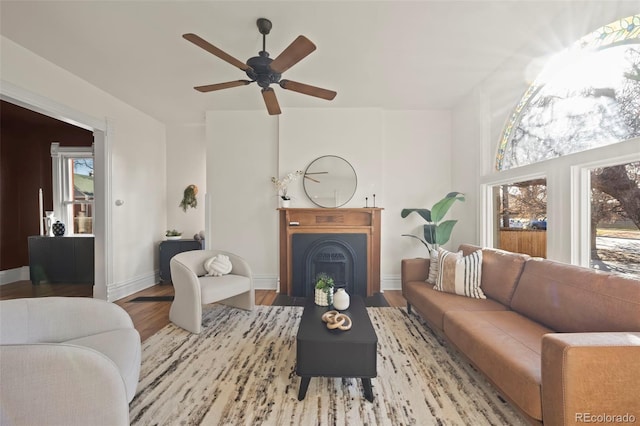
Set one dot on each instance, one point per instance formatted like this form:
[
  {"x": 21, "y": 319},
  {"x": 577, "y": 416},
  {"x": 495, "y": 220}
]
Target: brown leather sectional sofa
[{"x": 560, "y": 342}]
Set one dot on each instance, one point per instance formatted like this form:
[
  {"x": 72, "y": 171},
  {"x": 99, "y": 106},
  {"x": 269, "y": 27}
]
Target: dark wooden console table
[
  {"x": 67, "y": 260},
  {"x": 326, "y": 221},
  {"x": 170, "y": 248}
]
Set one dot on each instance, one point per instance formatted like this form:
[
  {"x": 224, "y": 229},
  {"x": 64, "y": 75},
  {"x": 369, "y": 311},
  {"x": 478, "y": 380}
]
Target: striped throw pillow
[
  {"x": 433, "y": 267},
  {"x": 460, "y": 274}
]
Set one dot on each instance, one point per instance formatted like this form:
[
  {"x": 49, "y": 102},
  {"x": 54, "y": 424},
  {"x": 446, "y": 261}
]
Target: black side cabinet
[
  {"x": 170, "y": 248},
  {"x": 61, "y": 259}
]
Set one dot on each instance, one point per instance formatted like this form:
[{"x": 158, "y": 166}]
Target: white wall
[
  {"x": 135, "y": 170},
  {"x": 468, "y": 139},
  {"x": 241, "y": 206},
  {"x": 401, "y": 156},
  {"x": 353, "y": 134},
  {"x": 186, "y": 165},
  {"x": 417, "y": 173}
]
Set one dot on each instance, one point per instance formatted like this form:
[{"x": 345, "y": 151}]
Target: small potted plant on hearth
[{"x": 324, "y": 290}]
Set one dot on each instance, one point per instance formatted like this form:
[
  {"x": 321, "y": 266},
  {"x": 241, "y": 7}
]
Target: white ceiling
[{"x": 386, "y": 54}]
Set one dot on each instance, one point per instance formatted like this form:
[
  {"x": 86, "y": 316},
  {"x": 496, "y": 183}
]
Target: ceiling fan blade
[
  {"x": 200, "y": 42},
  {"x": 271, "y": 101},
  {"x": 293, "y": 54},
  {"x": 306, "y": 89},
  {"x": 220, "y": 86}
]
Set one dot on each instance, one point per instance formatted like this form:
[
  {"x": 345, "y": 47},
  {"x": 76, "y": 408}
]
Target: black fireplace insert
[{"x": 341, "y": 256}]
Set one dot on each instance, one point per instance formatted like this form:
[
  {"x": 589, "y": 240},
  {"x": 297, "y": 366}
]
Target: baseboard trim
[
  {"x": 117, "y": 291},
  {"x": 265, "y": 282},
  {"x": 390, "y": 282},
  {"x": 12, "y": 275},
  {"x": 270, "y": 282},
  {"x": 123, "y": 289}
]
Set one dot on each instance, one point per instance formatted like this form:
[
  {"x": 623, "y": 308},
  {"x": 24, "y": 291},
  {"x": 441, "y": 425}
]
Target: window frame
[
  {"x": 568, "y": 205},
  {"x": 63, "y": 202},
  {"x": 581, "y": 204}
]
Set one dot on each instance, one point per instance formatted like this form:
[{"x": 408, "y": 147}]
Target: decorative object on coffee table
[
  {"x": 324, "y": 290},
  {"x": 58, "y": 229},
  {"x": 341, "y": 299},
  {"x": 337, "y": 321}
]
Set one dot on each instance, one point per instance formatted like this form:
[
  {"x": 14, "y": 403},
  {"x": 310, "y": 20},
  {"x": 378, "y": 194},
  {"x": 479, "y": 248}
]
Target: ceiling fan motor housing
[
  {"x": 264, "y": 70},
  {"x": 260, "y": 70}
]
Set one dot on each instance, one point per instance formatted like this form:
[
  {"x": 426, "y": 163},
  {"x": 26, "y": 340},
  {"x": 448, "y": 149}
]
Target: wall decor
[
  {"x": 330, "y": 181},
  {"x": 189, "y": 198}
]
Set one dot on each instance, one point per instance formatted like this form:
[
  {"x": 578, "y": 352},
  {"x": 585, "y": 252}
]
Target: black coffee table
[{"x": 334, "y": 353}]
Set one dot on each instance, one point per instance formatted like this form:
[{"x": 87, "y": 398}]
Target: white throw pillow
[
  {"x": 460, "y": 274},
  {"x": 433, "y": 267},
  {"x": 217, "y": 265}
]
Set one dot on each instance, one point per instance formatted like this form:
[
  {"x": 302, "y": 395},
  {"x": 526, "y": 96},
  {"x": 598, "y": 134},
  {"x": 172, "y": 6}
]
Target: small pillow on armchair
[
  {"x": 460, "y": 274},
  {"x": 217, "y": 266}
]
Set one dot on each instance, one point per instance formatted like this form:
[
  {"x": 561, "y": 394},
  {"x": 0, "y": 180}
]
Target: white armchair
[
  {"x": 193, "y": 289},
  {"x": 67, "y": 361}
]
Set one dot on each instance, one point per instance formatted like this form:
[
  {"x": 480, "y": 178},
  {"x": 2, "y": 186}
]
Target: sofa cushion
[
  {"x": 574, "y": 299},
  {"x": 460, "y": 274},
  {"x": 500, "y": 271},
  {"x": 432, "y": 304},
  {"x": 121, "y": 347},
  {"x": 506, "y": 346}
]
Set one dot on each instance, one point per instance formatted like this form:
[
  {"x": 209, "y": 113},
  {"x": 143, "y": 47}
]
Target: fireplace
[
  {"x": 343, "y": 243},
  {"x": 341, "y": 256}
]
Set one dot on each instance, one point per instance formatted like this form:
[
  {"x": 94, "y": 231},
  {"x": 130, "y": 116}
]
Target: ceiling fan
[{"x": 264, "y": 70}]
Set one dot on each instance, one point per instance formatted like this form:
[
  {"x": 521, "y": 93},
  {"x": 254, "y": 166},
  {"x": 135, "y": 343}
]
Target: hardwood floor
[{"x": 148, "y": 317}]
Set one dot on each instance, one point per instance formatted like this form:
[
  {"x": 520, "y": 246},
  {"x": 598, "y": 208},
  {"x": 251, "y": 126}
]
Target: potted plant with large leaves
[{"x": 436, "y": 231}]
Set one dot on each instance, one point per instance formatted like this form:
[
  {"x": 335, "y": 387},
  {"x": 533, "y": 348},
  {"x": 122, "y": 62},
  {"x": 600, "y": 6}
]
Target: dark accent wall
[{"x": 25, "y": 166}]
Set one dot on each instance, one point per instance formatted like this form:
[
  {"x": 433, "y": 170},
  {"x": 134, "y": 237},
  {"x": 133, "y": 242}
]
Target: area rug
[{"x": 241, "y": 371}]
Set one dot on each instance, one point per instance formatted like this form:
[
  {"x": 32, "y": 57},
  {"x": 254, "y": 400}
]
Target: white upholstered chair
[
  {"x": 193, "y": 289},
  {"x": 66, "y": 361}
]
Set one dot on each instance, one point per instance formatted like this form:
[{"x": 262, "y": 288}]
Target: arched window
[{"x": 586, "y": 97}]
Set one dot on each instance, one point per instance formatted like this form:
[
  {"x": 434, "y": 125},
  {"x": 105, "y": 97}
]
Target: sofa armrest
[
  {"x": 414, "y": 270},
  {"x": 60, "y": 384},
  {"x": 58, "y": 319},
  {"x": 585, "y": 375}
]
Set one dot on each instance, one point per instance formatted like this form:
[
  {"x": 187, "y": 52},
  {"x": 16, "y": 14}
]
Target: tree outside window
[{"x": 615, "y": 218}]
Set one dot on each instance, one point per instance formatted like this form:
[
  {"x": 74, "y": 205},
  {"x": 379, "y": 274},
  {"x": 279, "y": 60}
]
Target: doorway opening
[{"x": 36, "y": 103}]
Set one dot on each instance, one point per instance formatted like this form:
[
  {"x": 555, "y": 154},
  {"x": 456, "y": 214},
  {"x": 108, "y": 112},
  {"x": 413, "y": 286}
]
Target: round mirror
[{"x": 330, "y": 181}]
